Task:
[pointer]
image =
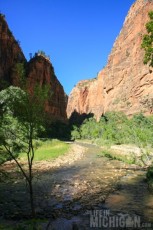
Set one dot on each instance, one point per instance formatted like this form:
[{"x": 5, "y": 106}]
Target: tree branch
[{"x": 11, "y": 154}]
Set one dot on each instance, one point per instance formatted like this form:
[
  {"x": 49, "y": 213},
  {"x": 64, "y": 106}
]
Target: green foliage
[
  {"x": 107, "y": 154},
  {"x": 41, "y": 52},
  {"x": 18, "y": 110},
  {"x": 90, "y": 129},
  {"x": 4, "y": 156},
  {"x": 147, "y": 43},
  {"x": 12, "y": 133},
  {"x": 47, "y": 150},
  {"x": 142, "y": 130},
  {"x": 21, "y": 118},
  {"x": 75, "y": 133},
  {"x": 116, "y": 128},
  {"x": 114, "y": 156}
]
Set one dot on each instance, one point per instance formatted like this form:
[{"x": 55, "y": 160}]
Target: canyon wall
[
  {"x": 39, "y": 70},
  {"x": 10, "y": 53},
  {"x": 125, "y": 83}
]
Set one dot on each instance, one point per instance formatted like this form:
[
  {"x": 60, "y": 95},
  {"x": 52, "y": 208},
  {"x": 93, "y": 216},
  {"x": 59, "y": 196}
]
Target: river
[{"x": 93, "y": 192}]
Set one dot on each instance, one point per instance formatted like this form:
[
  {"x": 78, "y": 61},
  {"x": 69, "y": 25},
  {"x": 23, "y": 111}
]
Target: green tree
[
  {"x": 75, "y": 133},
  {"x": 147, "y": 43},
  {"x": 21, "y": 118}
]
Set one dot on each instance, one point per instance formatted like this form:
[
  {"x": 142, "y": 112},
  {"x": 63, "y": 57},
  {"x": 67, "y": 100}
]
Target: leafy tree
[
  {"x": 115, "y": 127},
  {"x": 90, "y": 129},
  {"x": 147, "y": 43},
  {"x": 21, "y": 119},
  {"x": 75, "y": 133}
]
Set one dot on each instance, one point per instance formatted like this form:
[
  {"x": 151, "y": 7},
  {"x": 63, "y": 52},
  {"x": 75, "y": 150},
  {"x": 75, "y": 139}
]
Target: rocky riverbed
[{"x": 68, "y": 194}]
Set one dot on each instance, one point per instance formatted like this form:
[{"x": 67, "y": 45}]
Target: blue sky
[{"x": 77, "y": 34}]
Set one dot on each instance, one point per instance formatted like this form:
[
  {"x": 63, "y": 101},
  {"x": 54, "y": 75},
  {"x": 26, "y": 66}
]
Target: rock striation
[
  {"x": 39, "y": 70},
  {"x": 10, "y": 53},
  {"x": 125, "y": 84},
  {"x": 86, "y": 98}
]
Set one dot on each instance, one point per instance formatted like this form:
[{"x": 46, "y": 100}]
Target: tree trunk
[{"x": 33, "y": 213}]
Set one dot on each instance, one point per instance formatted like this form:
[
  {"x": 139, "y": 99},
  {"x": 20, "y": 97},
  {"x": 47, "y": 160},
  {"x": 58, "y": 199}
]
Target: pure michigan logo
[{"x": 103, "y": 219}]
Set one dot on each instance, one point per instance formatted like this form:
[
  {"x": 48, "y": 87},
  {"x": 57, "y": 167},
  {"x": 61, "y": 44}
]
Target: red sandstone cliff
[
  {"x": 125, "y": 82},
  {"x": 86, "y": 98},
  {"x": 38, "y": 70},
  {"x": 41, "y": 71},
  {"x": 10, "y": 52}
]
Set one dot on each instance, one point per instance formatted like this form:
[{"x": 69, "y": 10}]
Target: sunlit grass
[
  {"x": 48, "y": 150},
  {"x": 114, "y": 156}
]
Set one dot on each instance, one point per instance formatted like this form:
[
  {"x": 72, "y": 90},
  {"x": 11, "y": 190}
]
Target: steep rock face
[
  {"x": 10, "y": 53},
  {"x": 125, "y": 83},
  {"x": 85, "y": 98},
  {"x": 38, "y": 70},
  {"x": 41, "y": 71}
]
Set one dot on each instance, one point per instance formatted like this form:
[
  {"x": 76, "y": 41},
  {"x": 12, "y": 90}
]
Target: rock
[
  {"x": 57, "y": 186},
  {"x": 38, "y": 70},
  {"x": 41, "y": 71},
  {"x": 86, "y": 98},
  {"x": 10, "y": 53},
  {"x": 125, "y": 83},
  {"x": 127, "y": 80}
]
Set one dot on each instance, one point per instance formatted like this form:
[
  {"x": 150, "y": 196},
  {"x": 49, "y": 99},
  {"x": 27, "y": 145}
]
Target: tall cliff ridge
[
  {"x": 38, "y": 70},
  {"x": 41, "y": 71},
  {"x": 125, "y": 83},
  {"x": 10, "y": 53}
]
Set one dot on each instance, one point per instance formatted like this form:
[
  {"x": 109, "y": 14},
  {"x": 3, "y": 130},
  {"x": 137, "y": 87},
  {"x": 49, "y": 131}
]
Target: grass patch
[
  {"x": 114, "y": 156},
  {"x": 48, "y": 150}
]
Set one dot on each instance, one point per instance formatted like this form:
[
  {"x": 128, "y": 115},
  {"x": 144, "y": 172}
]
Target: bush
[
  {"x": 116, "y": 128},
  {"x": 75, "y": 133},
  {"x": 114, "y": 156}
]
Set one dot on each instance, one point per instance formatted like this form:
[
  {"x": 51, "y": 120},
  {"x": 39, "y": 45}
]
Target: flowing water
[{"x": 84, "y": 194}]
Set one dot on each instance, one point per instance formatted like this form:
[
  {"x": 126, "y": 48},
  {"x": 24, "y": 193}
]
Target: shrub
[
  {"x": 75, "y": 133},
  {"x": 116, "y": 128}
]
